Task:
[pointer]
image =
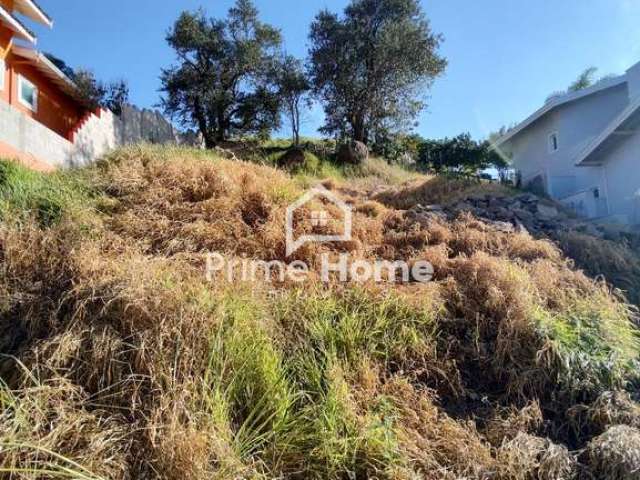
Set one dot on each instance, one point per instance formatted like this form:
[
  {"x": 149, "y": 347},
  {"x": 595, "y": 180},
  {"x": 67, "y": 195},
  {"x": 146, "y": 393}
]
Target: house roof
[
  {"x": 29, "y": 8},
  {"x": 558, "y": 101},
  {"x": 50, "y": 71},
  {"x": 13, "y": 24},
  {"x": 624, "y": 125}
]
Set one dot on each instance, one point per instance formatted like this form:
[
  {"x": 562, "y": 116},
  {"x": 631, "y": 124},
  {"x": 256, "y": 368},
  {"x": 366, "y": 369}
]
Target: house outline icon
[{"x": 317, "y": 192}]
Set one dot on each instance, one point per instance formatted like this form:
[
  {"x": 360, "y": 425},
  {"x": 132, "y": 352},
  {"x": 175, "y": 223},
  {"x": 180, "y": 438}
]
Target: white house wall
[
  {"x": 576, "y": 124},
  {"x": 622, "y": 170}
]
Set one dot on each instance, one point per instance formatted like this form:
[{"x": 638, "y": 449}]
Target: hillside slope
[{"x": 121, "y": 360}]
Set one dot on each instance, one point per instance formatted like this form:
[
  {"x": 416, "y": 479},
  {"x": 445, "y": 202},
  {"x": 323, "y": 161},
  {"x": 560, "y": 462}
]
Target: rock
[
  {"x": 520, "y": 228},
  {"x": 528, "y": 198},
  {"x": 504, "y": 227},
  {"x": 352, "y": 153},
  {"x": 614, "y": 455},
  {"x": 523, "y": 215},
  {"x": 464, "y": 206},
  {"x": 433, "y": 208},
  {"x": 547, "y": 212},
  {"x": 425, "y": 219},
  {"x": 292, "y": 159}
]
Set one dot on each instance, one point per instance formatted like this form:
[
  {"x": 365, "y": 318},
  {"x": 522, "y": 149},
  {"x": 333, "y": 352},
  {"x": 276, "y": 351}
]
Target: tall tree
[
  {"x": 222, "y": 83},
  {"x": 293, "y": 89},
  {"x": 372, "y": 66},
  {"x": 95, "y": 93}
]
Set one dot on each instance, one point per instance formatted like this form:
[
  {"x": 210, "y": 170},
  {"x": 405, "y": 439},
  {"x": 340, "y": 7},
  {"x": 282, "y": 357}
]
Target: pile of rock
[
  {"x": 524, "y": 211},
  {"x": 519, "y": 213}
]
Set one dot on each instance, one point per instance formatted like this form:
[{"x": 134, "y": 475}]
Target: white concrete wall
[
  {"x": 576, "y": 123},
  {"x": 622, "y": 170},
  {"x": 633, "y": 80},
  {"x": 26, "y": 135},
  {"x": 98, "y": 135}
]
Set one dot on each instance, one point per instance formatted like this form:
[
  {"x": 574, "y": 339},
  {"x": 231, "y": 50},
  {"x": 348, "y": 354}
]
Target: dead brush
[
  {"x": 435, "y": 190},
  {"x": 610, "y": 409},
  {"x": 435, "y": 445},
  {"x": 470, "y": 235},
  {"x": 144, "y": 370},
  {"x": 507, "y": 422},
  {"x": 39, "y": 420},
  {"x": 615, "y": 454},
  {"x": 616, "y": 262},
  {"x": 533, "y": 458}
]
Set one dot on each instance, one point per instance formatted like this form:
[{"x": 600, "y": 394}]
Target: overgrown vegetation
[{"x": 120, "y": 360}]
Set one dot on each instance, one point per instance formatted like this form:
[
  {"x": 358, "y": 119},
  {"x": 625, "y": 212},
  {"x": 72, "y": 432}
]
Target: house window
[
  {"x": 553, "y": 143},
  {"x": 27, "y": 94}
]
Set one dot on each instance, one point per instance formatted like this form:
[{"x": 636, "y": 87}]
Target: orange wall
[
  {"x": 8, "y": 5},
  {"x": 5, "y": 46},
  {"x": 55, "y": 109}
]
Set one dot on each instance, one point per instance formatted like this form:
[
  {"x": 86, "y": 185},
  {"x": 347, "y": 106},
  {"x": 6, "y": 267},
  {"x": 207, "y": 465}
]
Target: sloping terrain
[{"x": 121, "y": 360}]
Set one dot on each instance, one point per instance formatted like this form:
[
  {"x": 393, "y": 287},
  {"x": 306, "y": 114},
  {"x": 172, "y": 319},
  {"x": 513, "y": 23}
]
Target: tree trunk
[
  {"x": 359, "y": 129},
  {"x": 209, "y": 141},
  {"x": 221, "y": 131},
  {"x": 205, "y": 131},
  {"x": 294, "y": 114}
]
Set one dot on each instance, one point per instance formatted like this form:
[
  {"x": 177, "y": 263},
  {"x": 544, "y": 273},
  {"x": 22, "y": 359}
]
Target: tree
[
  {"x": 459, "y": 154},
  {"x": 94, "y": 92},
  {"x": 222, "y": 84},
  {"x": 112, "y": 96},
  {"x": 372, "y": 67},
  {"x": 585, "y": 80},
  {"x": 293, "y": 87}
]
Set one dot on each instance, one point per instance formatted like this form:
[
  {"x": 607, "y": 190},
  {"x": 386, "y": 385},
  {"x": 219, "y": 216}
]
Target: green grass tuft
[{"x": 47, "y": 196}]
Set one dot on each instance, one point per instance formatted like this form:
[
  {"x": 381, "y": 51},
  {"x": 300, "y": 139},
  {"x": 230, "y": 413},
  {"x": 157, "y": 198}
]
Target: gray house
[{"x": 583, "y": 149}]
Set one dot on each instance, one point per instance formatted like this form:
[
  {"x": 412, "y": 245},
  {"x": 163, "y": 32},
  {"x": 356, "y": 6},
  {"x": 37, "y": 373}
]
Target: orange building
[{"x": 29, "y": 81}]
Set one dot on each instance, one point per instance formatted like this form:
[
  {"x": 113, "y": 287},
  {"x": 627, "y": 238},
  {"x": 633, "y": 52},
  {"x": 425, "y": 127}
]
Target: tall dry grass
[{"x": 121, "y": 361}]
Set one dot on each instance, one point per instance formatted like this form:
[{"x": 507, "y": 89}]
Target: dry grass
[
  {"x": 122, "y": 361},
  {"x": 435, "y": 190},
  {"x": 616, "y": 262}
]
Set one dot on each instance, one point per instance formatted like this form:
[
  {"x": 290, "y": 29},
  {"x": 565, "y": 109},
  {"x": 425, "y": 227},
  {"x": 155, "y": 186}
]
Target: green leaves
[
  {"x": 222, "y": 83},
  {"x": 372, "y": 67}
]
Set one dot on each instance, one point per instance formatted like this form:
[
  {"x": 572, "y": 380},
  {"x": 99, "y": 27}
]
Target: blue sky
[{"x": 505, "y": 56}]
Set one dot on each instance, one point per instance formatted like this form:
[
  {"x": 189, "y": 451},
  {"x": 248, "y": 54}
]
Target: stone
[
  {"x": 520, "y": 228},
  {"x": 352, "y": 153},
  {"x": 547, "y": 212},
  {"x": 523, "y": 215},
  {"x": 528, "y": 198},
  {"x": 433, "y": 208},
  {"x": 504, "y": 227}
]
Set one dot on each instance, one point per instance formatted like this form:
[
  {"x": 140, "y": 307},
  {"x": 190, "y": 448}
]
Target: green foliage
[
  {"x": 459, "y": 154},
  {"x": 223, "y": 84},
  {"x": 597, "y": 347},
  {"x": 26, "y": 192},
  {"x": 95, "y": 93},
  {"x": 402, "y": 149},
  {"x": 371, "y": 67},
  {"x": 584, "y": 80}
]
